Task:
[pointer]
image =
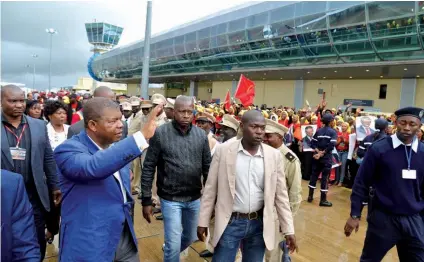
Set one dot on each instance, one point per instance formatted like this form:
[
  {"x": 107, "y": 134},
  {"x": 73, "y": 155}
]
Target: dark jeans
[
  {"x": 387, "y": 230},
  {"x": 248, "y": 233}
]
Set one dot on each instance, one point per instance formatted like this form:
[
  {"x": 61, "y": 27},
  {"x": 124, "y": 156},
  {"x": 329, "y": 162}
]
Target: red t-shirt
[{"x": 343, "y": 138}]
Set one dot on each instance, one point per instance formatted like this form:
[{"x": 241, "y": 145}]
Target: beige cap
[
  {"x": 206, "y": 117},
  {"x": 158, "y": 99},
  {"x": 146, "y": 104},
  {"x": 230, "y": 121},
  {"x": 170, "y": 103},
  {"x": 273, "y": 127},
  {"x": 126, "y": 106},
  {"x": 135, "y": 101}
]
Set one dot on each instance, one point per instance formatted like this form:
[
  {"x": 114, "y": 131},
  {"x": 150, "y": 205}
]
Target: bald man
[
  {"x": 245, "y": 182},
  {"x": 101, "y": 91},
  {"x": 26, "y": 150}
]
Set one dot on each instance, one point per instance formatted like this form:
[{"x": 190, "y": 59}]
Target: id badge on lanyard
[
  {"x": 409, "y": 173},
  {"x": 17, "y": 152}
]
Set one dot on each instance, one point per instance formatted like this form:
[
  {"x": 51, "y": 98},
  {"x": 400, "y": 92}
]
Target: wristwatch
[{"x": 356, "y": 217}]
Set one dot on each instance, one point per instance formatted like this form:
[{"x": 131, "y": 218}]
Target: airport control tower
[{"x": 103, "y": 37}]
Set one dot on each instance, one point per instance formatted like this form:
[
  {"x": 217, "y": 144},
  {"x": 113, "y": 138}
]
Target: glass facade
[{"x": 277, "y": 34}]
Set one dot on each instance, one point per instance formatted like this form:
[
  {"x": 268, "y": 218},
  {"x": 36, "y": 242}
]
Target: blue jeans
[
  {"x": 342, "y": 168},
  {"x": 180, "y": 225},
  {"x": 286, "y": 252},
  {"x": 248, "y": 233}
]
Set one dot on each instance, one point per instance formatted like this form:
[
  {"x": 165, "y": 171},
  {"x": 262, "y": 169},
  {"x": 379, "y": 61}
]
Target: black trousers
[
  {"x": 307, "y": 165},
  {"x": 387, "y": 230},
  {"x": 322, "y": 165}
]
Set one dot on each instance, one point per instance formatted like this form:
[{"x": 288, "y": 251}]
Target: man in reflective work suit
[
  {"x": 393, "y": 167},
  {"x": 323, "y": 143}
]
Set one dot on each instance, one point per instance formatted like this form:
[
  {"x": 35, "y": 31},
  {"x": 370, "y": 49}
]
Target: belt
[{"x": 251, "y": 216}]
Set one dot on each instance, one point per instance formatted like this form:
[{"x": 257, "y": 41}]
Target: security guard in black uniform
[
  {"x": 323, "y": 143},
  {"x": 393, "y": 166}
]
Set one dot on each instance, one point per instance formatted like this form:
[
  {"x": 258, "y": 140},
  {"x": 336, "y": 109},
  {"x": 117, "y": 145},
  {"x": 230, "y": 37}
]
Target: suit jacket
[
  {"x": 18, "y": 238},
  {"x": 361, "y": 133},
  {"x": 42, "y": 163},
  {"x": 220, "y": 186},
  {"x": 76, "y": 128},
  {"x": 93, "y": 209}
]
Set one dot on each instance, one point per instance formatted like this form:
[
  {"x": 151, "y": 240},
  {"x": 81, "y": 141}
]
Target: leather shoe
[{"x": 206, "y": 253}]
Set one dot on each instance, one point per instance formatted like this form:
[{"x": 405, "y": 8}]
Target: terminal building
[{"x": 371, "y": 53}]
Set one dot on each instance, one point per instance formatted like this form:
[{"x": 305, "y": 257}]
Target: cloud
[{"x": 23, "y": 33}]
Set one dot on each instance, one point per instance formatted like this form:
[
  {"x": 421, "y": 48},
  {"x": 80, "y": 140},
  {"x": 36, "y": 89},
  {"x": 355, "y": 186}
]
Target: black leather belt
[{"x": 251, "y": 216}]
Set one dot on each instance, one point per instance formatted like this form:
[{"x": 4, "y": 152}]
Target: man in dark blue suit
[
  {"x": 18, "y": 235},
  {"x": 95, "y": 181},
  {"x": 26, "y": 150}
]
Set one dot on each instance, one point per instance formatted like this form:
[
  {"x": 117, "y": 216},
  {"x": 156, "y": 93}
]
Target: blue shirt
[{"x": 382, "y": 169}]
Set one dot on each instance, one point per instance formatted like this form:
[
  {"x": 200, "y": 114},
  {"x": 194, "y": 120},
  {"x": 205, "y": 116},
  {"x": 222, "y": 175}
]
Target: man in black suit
[
  {"x": 101, "y": 91},
  {"x": 26, "y": 150}
]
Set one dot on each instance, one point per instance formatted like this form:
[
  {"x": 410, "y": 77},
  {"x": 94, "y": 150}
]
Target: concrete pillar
[
  {"x": 298, "y": 94},
  {"x": 194, "y": 88},
  {"x": 407, "y": 92}
]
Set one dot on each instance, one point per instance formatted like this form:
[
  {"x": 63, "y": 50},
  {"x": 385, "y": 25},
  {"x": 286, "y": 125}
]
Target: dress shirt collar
[
  {"x": 397, "y": 142},
  {"x": 258, "y": 153},
  {"x": 94, "y": 143}
]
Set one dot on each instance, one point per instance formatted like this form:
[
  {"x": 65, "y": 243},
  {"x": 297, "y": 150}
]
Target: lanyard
[
  {"x": 408, "y": 157},
  {"x": 18, "y": 139}
]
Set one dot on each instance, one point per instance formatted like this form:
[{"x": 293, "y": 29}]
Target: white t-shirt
[{"x": 56, "y": 138}]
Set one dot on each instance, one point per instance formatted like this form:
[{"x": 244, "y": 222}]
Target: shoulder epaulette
[{"x": 290, "y": 156}]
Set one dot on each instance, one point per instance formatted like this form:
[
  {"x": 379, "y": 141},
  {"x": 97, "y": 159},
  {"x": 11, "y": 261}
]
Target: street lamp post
[
  {"x": 52, "y": 32},
  {"x": 146, "y": 55},
  {"x": 33, "y": 71}
]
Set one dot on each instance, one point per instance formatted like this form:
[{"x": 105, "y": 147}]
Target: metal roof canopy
[{"x": 377, "y": 70}]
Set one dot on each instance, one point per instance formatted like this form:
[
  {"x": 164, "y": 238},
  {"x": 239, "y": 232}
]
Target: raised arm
[{"x": 79, "y": 165}]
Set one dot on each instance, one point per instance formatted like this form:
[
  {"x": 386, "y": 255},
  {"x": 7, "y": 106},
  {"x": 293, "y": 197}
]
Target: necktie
[{"x": 367, "y": 130}]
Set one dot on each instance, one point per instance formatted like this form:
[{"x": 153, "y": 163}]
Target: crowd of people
[{"x": 228, "y": 175}]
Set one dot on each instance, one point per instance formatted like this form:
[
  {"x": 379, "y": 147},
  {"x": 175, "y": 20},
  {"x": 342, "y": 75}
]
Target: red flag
[
  {"x": 245, "y": 91},
  {"x": 227, "y": 101}
]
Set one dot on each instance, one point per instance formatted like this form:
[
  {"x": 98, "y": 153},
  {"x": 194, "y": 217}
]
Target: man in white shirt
[
  {"x": 94, "y": 175},
  {"x": 246, "y": 181}
]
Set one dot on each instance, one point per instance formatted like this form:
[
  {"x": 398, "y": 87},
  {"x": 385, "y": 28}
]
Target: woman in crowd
[
  {"x": 34, "y": 109},
  {"x": 342, "y": 147},
  {"x": 420, "y": 134},
  {"x": 57, "y": 130}
]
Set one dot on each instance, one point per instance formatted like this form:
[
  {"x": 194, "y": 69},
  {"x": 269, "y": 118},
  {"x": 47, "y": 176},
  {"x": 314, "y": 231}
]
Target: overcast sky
[{"x": 23, "y": 33}]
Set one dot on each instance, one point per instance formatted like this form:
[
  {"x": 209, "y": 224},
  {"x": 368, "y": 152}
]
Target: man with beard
[{"x": 393, "y": 167}]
